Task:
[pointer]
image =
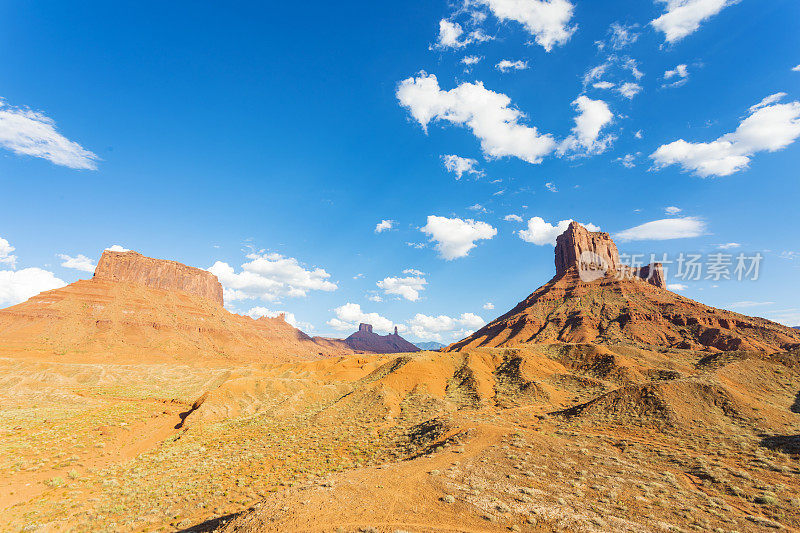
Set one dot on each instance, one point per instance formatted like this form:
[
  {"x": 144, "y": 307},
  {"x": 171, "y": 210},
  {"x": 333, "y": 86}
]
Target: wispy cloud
[{"x": 27, "y": 132}]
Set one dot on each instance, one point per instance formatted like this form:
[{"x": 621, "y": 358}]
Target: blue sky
[{"x": 279, "y": 137}]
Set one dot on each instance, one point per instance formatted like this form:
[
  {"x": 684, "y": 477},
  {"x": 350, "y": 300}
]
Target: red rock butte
[{"x": 619, "y": 305}]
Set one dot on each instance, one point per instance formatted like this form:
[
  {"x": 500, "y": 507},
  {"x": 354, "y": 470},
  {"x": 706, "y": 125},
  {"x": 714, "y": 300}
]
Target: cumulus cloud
[
  {"x": 384, "y": 225},
  {"x": 540, "y": 232},
  {"x": 6, "y": 257},
  {"x": 505, "y": 65},
  {"x": 683, "y": 17},
  {"x": 769, "y": 127},
  {"x": 488, "y": 306},
  {"x": 676, "y": 287},
  {"x": 546, "y": 20},
  {"x": 512, "y": 218},
  {"x": 408, "y": 287},
  {"x": 593, "y": 116},
  {"x": 290, "y": 318},
  {"x": 729, "y": 246},
  {"x": 460, "y": 165},
  {"x": 488, "y": 114},
  {"x": 672, "y": 210},
  {"x": 452, "y": 35},
  {"x": 455, "y": 237},
  {"x": 551, "y": 187},
  {"x": 796, "y": 69},
  {"x": 270, "y": 276},
  {"x": 350, "y": 315},
  {"x": 27, "y": 132},
  {"x": 444, "y": 328},
  {"x": 18, "y": 285},
  {"x": 117, "y": 248},
  {"x": 79, "y": 262},
  {"x": 664, "y": 229}
]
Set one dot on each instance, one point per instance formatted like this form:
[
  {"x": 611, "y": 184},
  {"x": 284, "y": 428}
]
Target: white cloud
[
  {"x": 622, "y": 35},
  {"x": 18, "y": 285},
  {"x": 270, "y": 276},
  {"x": 729, "y": 246},
  {"x": 664, "y": 229},
  {"x": 6, "y": 257},
  {"x": 628, "y": 160},
  {"x": 443, "y": 328},
  {"x": 769, "y": 100},
  {"x": 796, "y": 69},
  {"x": 452, "y": 35},
  {"x": 546, "y": 20},
  {"x": 603, "y": 85},
  {"x": 629, "y": 89},
  {"x": 681, "y": 71},
  {"x": 512, "y": 218},
  {"x": 683, "y": 17},
  {"x": 471, "y": 60},
  {"x": 593, "y": 116},
  {"x": 384, "y": 225},
  {"x": 487, "y": 113},
  {"x": 551, "y": 187},
  {"x": 375, "y": 298},
  {"x": 27, "y": 132},
  {"x": 672, "y": 210},
  {"x": 117, "y": 248},
  {"x": 506, "y": 65},
  {"x": 455, "y": 237},
  {"x": 488, "y": 306},
  {"x": 478, "y": 208},
  {"x": 638, "y": 134},
  {"x": 350, "y": 315},
  {"x": 408, "y": 287},
  {"x": 460, "y": 165},
  {"x": 449, "y": 33},
  {"x": 676, "y": 287},
  {"x": 770, "y": 127},
  {"x": 79, "y": 262},
  {"x": 290, "y": 318},
  {"x": 541, "y": 233}
]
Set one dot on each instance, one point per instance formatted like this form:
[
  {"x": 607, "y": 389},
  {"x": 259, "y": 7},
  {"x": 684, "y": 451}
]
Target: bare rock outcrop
[
  {"x": 596, "y": 252},
  {"x": 576, "y": 240},
  {"x": 133, "y": 267},
  {"x": 365, "y": 340}
]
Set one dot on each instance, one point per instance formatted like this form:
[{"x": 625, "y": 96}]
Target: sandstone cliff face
[
  {"x": 595, "y": 251},
  {"x": 571, "y": 244},
  {"x": 133, "y": 267}
]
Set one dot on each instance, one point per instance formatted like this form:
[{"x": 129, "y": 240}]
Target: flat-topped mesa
[
  {"x": 572, "y": 247},
  {"x": 365, "y": 328},
  {"x": 133, "y": 267}
]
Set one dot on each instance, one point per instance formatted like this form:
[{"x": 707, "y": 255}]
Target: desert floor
[{"x": 550, "y": 438}]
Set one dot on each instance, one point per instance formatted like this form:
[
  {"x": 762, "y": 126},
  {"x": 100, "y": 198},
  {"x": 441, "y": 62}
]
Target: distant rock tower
[{"x": 365, "y": 328}]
